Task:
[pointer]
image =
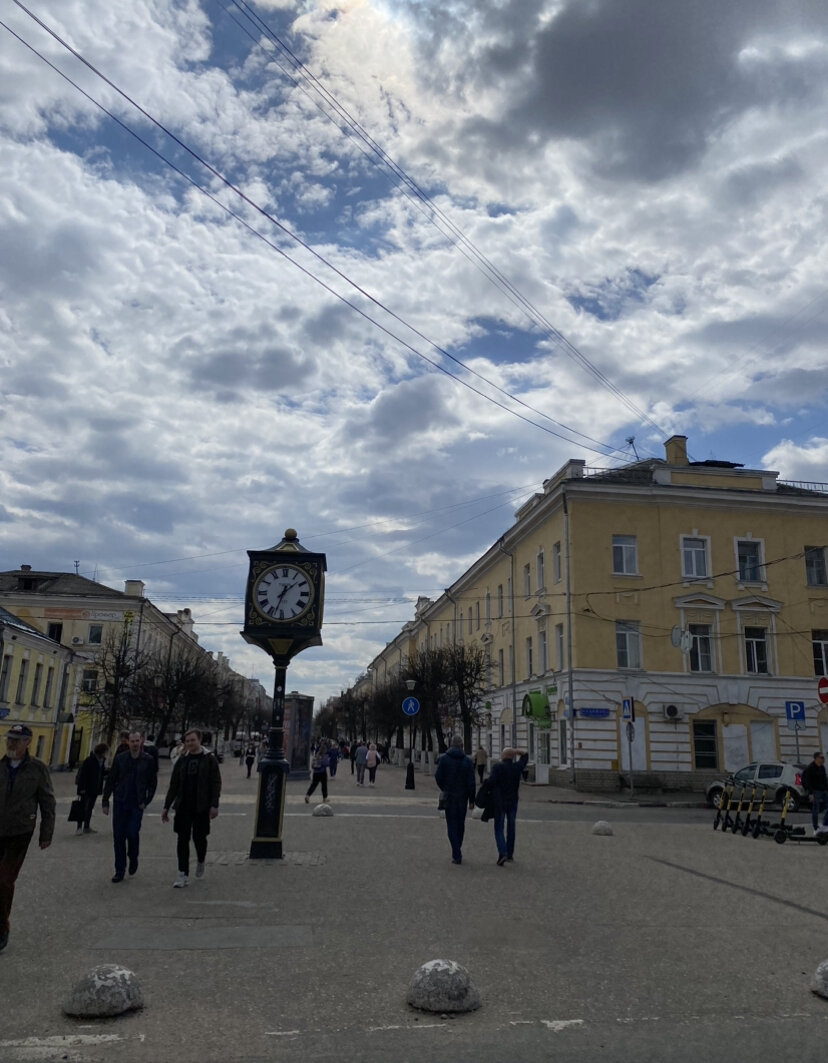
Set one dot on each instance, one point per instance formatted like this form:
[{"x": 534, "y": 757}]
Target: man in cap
[
  {"x": 25, "y": 786},
  {"x": 505, "y": 783},
  {"x": 455, "y": 777}
]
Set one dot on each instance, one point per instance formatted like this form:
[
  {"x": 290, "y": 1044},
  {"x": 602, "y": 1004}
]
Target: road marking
[
  {"x": 59, "y": 1040},
  {"x": 556, "y": 1025}
]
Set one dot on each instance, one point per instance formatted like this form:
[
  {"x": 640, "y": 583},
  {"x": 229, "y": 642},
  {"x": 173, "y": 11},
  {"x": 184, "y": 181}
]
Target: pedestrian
[
  {"x": 25, "y": 787},
  {"x": 131, "y": 782},
  {"x": 176, "y": 752},
  {"x": 360, "y": 755},
  {"x": 372, "y": 759},
  {"x": 150, "y": 747},
  {"x": 333, "y": 758},
  {"x": 815, "y": 782},
  {"x": 193, "y": 794},
  {"x": 504, "y": 782},
  {"x": 455, "y": 777},
  {"x": 481, "y": 759},
  {"x": 319, "y": 772},
  {"x": 352, "y": 754},
  {"x": 90, "y": 783},
  {"x": 123, "y": 743},
  {"x": 250, "y": 759}
]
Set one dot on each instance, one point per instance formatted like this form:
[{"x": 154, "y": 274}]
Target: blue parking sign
[{"x": 795, "y": 711}]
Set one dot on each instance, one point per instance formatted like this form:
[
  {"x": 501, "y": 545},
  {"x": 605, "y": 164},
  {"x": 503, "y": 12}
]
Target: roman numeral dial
[{"x": 283, "y": 593}]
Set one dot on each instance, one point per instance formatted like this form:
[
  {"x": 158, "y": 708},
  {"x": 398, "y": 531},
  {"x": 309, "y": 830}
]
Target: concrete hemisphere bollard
[
  {"x": 443, "y": 986},
  {"x": 104, "y": 991},
  {"x": 323, "y": 810},
  {"x": 602, "y": 828},
  {"x": 819, "y": 982}
]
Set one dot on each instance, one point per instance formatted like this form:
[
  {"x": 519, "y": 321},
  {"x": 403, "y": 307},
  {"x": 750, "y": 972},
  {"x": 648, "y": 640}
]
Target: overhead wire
[{"x": 297, "y": 239}]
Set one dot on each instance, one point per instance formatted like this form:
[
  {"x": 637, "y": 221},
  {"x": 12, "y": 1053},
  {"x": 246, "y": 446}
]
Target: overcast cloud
[{"x": 176, "y": 391}]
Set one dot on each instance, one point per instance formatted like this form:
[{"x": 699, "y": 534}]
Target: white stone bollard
[
  {"x": 442, "y": 986},
  {"x": 104, "y": 991},
  {"x": 602, "y": 827},
  {"x": 819, "y": 982},
  {"x": 323, "y": 810}
]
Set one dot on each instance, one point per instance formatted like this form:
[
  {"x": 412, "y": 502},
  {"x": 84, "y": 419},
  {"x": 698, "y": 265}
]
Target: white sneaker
[
  {"x": 181, "y": 881},
  {"x": 822, "y": 830},
  {"x": 200, "y": 870}
]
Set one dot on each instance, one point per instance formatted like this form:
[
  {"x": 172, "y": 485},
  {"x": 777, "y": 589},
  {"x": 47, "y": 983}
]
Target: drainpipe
[
  {"x": 513, "y": 662},
  {"x": 570, "y": 688}
]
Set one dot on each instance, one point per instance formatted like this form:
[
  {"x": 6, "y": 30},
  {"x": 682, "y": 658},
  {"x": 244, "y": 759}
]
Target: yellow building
[
  {"x": 36, "y": 684},
  {"x": 695, "y": 592}
]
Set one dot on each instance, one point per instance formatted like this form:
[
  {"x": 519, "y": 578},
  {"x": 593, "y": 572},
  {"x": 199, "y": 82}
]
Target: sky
[{"x": 374, "y": 270}]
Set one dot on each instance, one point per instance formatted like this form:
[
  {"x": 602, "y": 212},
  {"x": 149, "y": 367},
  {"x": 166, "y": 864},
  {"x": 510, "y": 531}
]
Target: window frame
[
  {"x": 817, "y": 553},
  {"x": 823, "y": 643},
  {"x": 704, "y": 541},
  {"x": 696, "y": 648},
  {"x": 626, "y": 549},
  {"x": 556, "y": 563},
  {"x": 759, "y": 546},
  {"x": 753, "y": 641},
  {"x": 630, "y": 632}
]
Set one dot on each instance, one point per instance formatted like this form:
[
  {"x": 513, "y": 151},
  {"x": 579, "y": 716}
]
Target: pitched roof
[
  {"x": 14, "y": 621},
  {"x": 67, "y": 583}
]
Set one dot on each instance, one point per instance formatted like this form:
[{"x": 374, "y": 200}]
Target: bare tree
[
  {"x": 468, "y": 679},
  {"x": 119, "y": 668}
]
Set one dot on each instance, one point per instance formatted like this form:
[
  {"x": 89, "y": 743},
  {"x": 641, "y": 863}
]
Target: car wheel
[
  {"x": 793, "y": 799},
  {"x": 714, "y": 795}
]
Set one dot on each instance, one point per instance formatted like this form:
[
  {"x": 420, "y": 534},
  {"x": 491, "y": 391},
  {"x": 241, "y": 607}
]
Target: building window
[
  {"x": 815, "y": 571},
  {"x": 624, "y": 560},
  {"x": 819, "y": 642},
  {"x": 41, "y": 742},
  {"x": 470, "y": 621},
  {"x": 499, "y": 600},
  {"x": 701, "y": 648},
  {"x": 47, "y": 691},
  {"x": 55, "y": 631},
  {"x": 749, "y": 554},
  {"x": 477, "y": 615},
  {"x": 543, "y": 659},
  {"x": 501, "y": 678},
  {"x": 705, "y": 747},
  {"x": 756, "y": 649},
  {"x": 628, "y": 644},
  {"x": 540, "y": 570},
  {"x": 556, "y": 563},
  {"x": 694, "y": 558},
  {"x": 527, "y": 581},
  {"x": 529, "y": 662},
  {"x": 21, "y": 682},
  {"x": 559, "y": 646},
  {"x": 36, "y": 684},
  {"x": 89, "y": 680},
  {"x": 563, "y": 744},
  {"x": 4, "y": 677},
  {"x": 95, "y": 634},
  {"x": 488, "y": 608},
  {"x": 509, "y": 595}
]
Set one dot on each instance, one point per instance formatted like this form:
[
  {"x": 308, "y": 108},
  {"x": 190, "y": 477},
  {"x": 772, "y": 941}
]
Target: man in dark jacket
[
  {"x": 505, "y": 783},
  {"x": 90, "y": 784},
  {"x": 815, "y": 781},
  {"x": 132, "y": 780},
  {"x": 25, "y": 786},
  {"x": 455, "y": 777},
  {"x": 194, "y": 791}
]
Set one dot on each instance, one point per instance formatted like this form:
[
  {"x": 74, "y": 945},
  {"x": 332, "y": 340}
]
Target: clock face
[{"x": 282, "y": 593}]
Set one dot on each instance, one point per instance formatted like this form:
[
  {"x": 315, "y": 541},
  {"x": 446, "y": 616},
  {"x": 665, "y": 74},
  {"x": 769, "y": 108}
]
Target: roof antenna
[
  {"x": 77, "y": 566},
  {"x": 630, "y": 441}
]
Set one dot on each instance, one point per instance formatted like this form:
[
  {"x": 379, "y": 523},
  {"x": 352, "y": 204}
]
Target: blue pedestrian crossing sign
[
  {"x": 410, "y": 706},
  {"x": 795, "y": 711},
  {"x": 628, "y": 709}
]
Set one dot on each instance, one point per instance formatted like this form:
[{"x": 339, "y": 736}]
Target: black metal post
[{"x": 273, "y": 771}]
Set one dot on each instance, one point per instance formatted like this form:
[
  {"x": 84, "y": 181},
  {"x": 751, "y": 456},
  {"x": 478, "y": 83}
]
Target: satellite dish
[
  {"x": 686, "y": 642},
  {"x": 675, "y": 636}
]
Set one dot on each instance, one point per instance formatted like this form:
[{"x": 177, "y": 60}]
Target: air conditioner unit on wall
[
  {"x": 672, "y": 712},
  {"x": 76, "y": 640}
]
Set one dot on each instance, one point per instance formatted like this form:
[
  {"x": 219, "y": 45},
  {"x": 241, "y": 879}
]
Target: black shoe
[
  {"x": 118, "y": 878},
  {"x": 456, "y": 861},
  {"x": 133, "y": 867},
  {"x": 501, "y": 860},
  {"x": 4, "y": 939},
  {"x": 510, "y": 859}
]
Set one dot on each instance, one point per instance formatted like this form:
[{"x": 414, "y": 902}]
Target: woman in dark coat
[{"x": 90, "y": 783}]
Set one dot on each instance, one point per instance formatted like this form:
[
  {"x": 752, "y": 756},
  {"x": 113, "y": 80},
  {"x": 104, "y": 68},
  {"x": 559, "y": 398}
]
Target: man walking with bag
[
  {"x": 90, "y": 784},
  {"x": 455, "y": 777},
  {"x": 505, "y": 783}
]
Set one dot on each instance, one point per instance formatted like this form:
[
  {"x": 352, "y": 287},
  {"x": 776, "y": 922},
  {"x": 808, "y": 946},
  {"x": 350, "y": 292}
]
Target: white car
[{"x": 779, "y": 778}]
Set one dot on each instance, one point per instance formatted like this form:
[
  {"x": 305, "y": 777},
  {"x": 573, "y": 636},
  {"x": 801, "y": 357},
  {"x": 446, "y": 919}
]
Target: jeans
[
  {"x": 456, "y": 823},
  {"x": 317, "y": 778},
  {"x": 508, "y": 812},
  {"x": 196, "y": 826},
  {"x": 126, "y": 829},
  {"x": 12, "y": 854},
  {"x": 481, "y": 771},
  {"x": 372, "y": 773},
  {"x": 819, "y": 803},
  {"x": 360, "y": 774}
]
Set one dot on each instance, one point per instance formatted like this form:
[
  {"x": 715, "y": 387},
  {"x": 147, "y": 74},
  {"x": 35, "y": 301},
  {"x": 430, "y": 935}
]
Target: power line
[{"x": 297, "y": 239}]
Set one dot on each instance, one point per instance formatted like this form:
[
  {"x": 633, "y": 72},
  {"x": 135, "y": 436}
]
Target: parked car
[{"x": 778, "y": 777}]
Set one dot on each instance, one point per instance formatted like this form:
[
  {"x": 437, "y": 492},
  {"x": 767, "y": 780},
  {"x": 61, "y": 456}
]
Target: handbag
[
  {"x": 76, "y": 811},
  {"x": 441, "y": 803}
]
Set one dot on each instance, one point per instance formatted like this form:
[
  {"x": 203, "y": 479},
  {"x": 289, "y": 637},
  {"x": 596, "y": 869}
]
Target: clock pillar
[{"x": 283, "y": 616}]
